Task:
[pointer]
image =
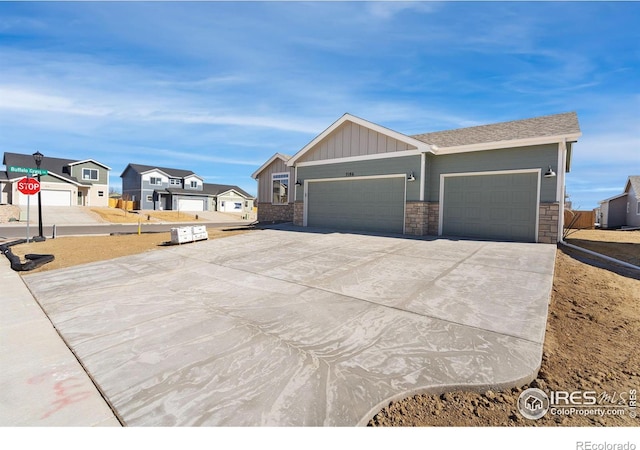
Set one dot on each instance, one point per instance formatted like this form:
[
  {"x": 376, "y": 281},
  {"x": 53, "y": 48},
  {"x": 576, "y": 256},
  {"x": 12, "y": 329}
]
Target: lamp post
[{"x": 37, "y": 157}]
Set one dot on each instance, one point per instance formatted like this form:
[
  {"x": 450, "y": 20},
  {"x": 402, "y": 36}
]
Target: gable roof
[
  {"x": 546, "y": 128},
  {"x": 217, "y": 189},
  {"x": 421, "y": 146},
  {"x": 57, "y": 167},
  {"x": 175, "y": 173},
  {"x": 633, "y": 181},
  {"x": 281, "y": 156}
]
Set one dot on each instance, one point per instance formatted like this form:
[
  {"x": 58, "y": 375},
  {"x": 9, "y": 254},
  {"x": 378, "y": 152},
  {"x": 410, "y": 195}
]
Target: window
[
  {"x": 638, "y": 208},
  {"x": 155, "y": 180},
  {"x": 89, "y": 174},
  {"x": 175, "y": 181},
  {"x": 194, "y": 184},
  {"x": 100, "y": 193},
  {"x": 149, "y": 198},
  {"x": 280, "y": 183},
  {"x": 237, "y": 206}
]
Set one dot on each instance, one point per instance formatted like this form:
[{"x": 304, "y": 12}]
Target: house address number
[{"x": 349, "y": 174}]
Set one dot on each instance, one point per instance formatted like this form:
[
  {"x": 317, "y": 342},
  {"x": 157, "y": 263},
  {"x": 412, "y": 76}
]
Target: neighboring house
[
  {"x": 68, "y": 183},
  {"x": 161, "y": 188},
  {"x": 622, "y": 210},
  {"x": 500, "y": 181}
]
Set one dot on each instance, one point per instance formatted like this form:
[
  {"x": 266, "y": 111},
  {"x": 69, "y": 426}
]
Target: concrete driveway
[{"x": 290, "y": 327}]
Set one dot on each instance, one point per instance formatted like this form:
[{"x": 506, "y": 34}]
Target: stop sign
[{"x": 29, "y": 186}]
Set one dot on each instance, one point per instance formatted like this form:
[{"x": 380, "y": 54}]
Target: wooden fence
[{"x": 583, "y": 219}]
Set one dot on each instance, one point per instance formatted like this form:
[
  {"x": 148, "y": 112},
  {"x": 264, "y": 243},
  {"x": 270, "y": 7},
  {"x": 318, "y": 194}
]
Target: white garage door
[
  {"x": 190, "y": 205},
  {"x": 49, "y": 198}
]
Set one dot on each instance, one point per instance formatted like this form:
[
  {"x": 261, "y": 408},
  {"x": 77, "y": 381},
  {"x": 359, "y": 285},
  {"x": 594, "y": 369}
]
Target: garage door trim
[
  {"x": 367, "y": 177},
  {"x": 444, "y": 176}
]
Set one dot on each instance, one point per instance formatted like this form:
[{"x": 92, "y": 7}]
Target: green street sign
[{"x": 28, "y": 170}]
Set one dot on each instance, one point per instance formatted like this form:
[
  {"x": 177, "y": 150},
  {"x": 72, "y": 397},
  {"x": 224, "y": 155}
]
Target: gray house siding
[
  {"x": 405, "y": 164},
  {"x": 103, "y": 174},
  {"x": 351, "y": 139},
  {"x": 264, "y": 181},
  {"x": 131, "y": 185},
  {"x": 532, "y": 157},
  {"x": 617, "y": 213},
  {"x": 633, "y": 216}
]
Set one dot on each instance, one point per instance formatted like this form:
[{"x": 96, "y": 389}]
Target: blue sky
[{"x": 218, "y": 87}]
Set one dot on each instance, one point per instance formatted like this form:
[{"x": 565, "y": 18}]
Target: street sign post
[
  {"x": 28, "y": 170},
  {"x": 28, "y": 186}
]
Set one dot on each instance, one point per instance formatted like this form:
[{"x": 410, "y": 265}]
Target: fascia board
[
  {"x": 89, "y": 160},
  {"x": 255, "y": 174}
]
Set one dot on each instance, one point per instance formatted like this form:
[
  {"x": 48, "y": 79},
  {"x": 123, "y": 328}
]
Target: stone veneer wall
[
  {"x": 275, "y": 213},
  {"x": 415, "y": 218},
  {"x": 298, "y": 213},
  {"x": 421, "y": 218},
  {"x": 548, "y": 223}
]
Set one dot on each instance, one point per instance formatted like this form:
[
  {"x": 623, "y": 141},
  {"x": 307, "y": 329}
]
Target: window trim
[
  {"x": 638, "y": 208},
  {"x": 159, "y": 179},
  {"x": 88, "y": 176},
  {"x": 150, "y": 198},
  {"x": 193, "y": 184},
  {"x": 288, "y": 178}
]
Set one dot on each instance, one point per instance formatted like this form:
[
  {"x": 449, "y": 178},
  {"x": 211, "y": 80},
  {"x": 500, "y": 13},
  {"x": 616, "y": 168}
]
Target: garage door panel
[
  {"x": 364, "y": 204},
  {"x": 190, "y": 205},
  {"x": 493, "y": 206},
  {"x": 50, "y": 197}
]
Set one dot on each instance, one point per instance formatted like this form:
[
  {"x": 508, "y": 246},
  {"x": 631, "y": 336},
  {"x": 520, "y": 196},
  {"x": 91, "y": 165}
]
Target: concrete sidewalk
[{"x": 41, "y": 381}]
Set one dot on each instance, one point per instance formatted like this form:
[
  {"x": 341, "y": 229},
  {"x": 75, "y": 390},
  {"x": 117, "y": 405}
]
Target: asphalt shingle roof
[
  {"x": 56, "y": 165},
  {"x": 553, "y": 125},
  {"x": 178, "y": 173},
  {"x": 215, "y": 189}
]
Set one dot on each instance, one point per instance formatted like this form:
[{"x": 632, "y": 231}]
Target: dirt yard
[
  {"x": 71, "y": 251},
  {"x": 114, "y": 215},
  {"x": 591, "y": 342}
]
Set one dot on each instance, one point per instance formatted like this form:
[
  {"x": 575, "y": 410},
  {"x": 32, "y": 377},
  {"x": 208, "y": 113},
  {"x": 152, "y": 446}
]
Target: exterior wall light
[
  {"x": 549, "y": 173},
  {"x": 410, "y": 177}
]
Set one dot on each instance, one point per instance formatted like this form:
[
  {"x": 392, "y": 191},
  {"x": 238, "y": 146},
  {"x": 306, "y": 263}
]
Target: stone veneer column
[
  {"x": 433, "y": 214},
  {"x": 415, "y": 221},
  {"x": 548, "y": 223},
  {"x": 298, "y": 213}
]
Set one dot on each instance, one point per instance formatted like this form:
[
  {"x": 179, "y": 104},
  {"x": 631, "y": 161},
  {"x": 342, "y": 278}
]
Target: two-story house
[
  {"x": 67, "y": 183},
  {"x": 162, "y": 188}
]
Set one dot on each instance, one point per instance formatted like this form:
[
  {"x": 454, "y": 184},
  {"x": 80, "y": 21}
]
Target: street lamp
[{"x": 37, "y": 157}]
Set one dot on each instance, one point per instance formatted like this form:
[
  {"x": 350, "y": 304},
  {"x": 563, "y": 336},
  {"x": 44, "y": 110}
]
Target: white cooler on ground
[{"x": 183, "y": 235}]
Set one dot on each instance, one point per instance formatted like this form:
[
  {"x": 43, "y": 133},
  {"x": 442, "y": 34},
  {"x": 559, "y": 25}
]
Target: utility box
[{"x": 184, "y": 235}]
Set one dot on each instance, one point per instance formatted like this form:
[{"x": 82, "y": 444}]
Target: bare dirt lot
[
  {"x": 71, "y": 251},
  {"x": 591, "y": 342}
]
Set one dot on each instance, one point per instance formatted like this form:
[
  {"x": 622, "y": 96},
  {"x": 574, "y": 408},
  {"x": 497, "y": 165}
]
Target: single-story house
[
  {"x": 162, "y": 188},
  {"x": 68, "y": 182},
  {"x": 622, "y": 210},
  {"x": 500, "y": 181}
]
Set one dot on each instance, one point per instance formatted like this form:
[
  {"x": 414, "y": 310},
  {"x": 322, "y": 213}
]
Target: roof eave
[
  {"x": 275, "y": 156},
  {"x": 573, "y": 137}
]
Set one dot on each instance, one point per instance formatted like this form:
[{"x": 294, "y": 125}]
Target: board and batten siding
[
  {"x": 264, "y": 180},
  {"x": 405, "y": 165},
  {"x": 351, "y": 139},
  {"x": 532, "y": 157}
]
